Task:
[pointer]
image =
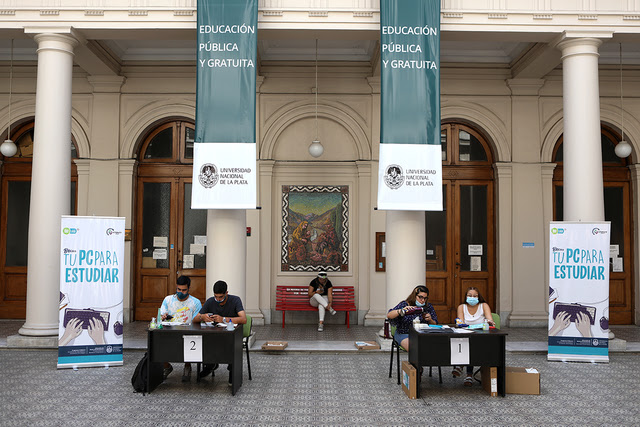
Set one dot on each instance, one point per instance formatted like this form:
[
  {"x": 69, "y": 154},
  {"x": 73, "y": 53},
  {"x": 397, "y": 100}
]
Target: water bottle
[
  {"x": 416, "y": 323},
  {"x": 230, "y": 325}
]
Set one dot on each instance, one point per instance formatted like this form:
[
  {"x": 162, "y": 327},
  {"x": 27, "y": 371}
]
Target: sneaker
[
  {"x": 332, "y": 311},
  {"x": 208, "y": 369},
  {"x": 468, "y": 382},
  {"x": 186, "y": 374},
  {"x": 166, "y": 371},
  {"x": 320, "y": 327}
]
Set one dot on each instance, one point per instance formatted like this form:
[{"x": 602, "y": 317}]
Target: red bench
[{"x": 296, "y": 298}]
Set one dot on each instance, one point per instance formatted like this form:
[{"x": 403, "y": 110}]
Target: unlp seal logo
[
  {"x": 394, "y": 177},
  {"x": 208, "y": 175}
]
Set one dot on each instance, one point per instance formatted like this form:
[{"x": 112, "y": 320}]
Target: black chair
[{"x": 395, "y": 346}]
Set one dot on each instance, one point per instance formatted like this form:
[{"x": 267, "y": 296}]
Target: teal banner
[
  {"x": 226, "y": 71},
  {"x": 410, "y": 71}
]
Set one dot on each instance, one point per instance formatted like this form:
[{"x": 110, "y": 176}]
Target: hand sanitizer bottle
[{"x": 416, "y": 323}]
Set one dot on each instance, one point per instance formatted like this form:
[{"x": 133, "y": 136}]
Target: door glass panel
[
  {"x": 614, "y": 212},
  {"x": 443, "y": 144},
  {"x": 17, "y": 223},
  {"x": 473, "y": 227},
  {"x": 161, "y": 146},
  {"x": 156, "y": 222},
  {"x": 195, "y": 224},
  {"x": 436, "y": 226},
  {"x": 471, "y": 150},
  {"x": 72, "y": 208},
  {"x": 559, "y": 211},
  {"x": 189, "y": 136}
]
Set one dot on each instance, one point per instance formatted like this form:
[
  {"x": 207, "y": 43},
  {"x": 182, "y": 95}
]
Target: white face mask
[{"x": 472, "y": 301}]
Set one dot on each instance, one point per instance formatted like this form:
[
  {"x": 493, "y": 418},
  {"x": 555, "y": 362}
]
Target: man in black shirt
[{"x": 221, "y": 308}]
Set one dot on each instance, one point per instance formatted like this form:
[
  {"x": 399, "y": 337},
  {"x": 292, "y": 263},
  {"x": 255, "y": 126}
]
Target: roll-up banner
[
  {"x": 91, "y": 289},
  {"x": 224, "y": 158},
  {"x": 410, "y": 169},
  {"x": 579, "y": 291}
]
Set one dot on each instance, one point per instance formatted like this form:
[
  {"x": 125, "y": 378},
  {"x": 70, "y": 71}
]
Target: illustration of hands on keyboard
[{"x": 85, "y": 316}]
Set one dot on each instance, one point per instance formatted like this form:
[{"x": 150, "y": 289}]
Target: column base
[
  {"x": 257, "y": 318},
  {"x": 617, "y": 344},
  {"x": 23, "y": 341},
  {"x": 528, "y": 320},
  {"x": 374, "y": 319},
  {"x": 385, "y": 343},
  {"x": 39, "y": 331}
]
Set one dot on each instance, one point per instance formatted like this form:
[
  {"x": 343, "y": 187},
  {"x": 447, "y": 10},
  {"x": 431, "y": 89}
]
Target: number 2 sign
[{"x": 192, "y": 348}]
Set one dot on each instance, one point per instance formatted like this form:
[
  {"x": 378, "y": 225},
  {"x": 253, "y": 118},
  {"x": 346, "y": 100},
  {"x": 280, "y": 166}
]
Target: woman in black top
[{"x": 321, "y": 296}]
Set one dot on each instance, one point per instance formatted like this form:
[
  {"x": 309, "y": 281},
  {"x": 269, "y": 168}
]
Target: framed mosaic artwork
[{"x": 315, "y": 228}]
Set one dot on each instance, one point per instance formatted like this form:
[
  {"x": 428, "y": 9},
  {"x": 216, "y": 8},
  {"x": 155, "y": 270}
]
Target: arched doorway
[
  {"x": 617, "y": 209},
  {"x": 170, "y": 237},
  {"x": 460, "y": 239},
  {"x": 15, "y": 193}
]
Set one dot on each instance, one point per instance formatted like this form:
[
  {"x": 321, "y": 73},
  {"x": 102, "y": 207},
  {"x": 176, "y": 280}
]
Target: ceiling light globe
[
  {"x": 8, "y": 148},
  {"x": 316, "y": 149},
  {"x": 623, "y": 149}
]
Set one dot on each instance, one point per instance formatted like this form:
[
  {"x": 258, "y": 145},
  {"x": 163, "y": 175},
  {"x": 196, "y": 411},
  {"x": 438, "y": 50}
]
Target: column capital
[
  {"x": 581, "y": 43},
  {"x": 503, "y": 170},
  {"x": 50, "y": 37},
  {"x": 525, "y": 86},
  {"x": 106, "y": 84},
  {"x": 547, "y": 169},
  {"x": 635, "y": 170},
  {"x": 82, "y": 165},
  {"x": 375, "y": 83},
  {"x": 126, "y": 166}
]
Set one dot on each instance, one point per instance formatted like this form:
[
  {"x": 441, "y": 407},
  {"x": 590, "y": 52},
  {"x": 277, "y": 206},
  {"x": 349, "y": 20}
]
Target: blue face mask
[
  {"x": 182, "y": 296},
  {"x": 420, "y": 304},
  {"x": 472, "y": 301}
]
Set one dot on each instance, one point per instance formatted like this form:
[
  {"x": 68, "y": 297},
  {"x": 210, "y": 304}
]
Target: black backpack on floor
[{"x": 139, "y": 378}]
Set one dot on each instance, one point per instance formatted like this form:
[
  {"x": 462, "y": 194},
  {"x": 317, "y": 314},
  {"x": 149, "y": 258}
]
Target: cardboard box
[
  {"x": 275, "y": 345},
  {"x": 490, "y": 380},
  {"x": 519, "y": 381},
  {"x": 409, "y": 380},
  {"x": 367, "y": 345}
]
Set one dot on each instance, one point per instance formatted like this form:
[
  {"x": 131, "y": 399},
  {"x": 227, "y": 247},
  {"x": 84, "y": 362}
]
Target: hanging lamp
[
  {"x": 316, "y": 149},
  {"x": 8, "y": 147},
  {"x": 623, "y": 148}
]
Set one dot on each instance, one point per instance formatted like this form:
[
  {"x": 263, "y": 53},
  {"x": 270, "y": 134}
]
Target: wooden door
[
  {"x": 460, "y": 246},
  {"x": 617, "y": 209},
  {"x": 167, "y": 232},
  {"x": 15, "y": 197},
  {"x": 460, "y": 239}
]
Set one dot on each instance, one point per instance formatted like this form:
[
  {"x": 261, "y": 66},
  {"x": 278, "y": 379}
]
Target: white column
[
  {"x": 405, "y": 253},
  {"x": 50, "y": 178},
  {"x": 583, "y": 198},
  {"x": 227, "y": 250}
]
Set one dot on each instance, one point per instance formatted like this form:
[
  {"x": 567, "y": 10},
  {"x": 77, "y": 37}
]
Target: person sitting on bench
[{"x": 321, "y": 294}]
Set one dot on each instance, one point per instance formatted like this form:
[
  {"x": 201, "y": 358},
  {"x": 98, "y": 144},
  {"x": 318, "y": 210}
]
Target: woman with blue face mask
[
  {"x": 473, "y": 311},
  {"x": 403, "y": 314}
]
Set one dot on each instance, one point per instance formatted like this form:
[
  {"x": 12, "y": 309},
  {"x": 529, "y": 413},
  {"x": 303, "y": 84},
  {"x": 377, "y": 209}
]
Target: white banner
[
  {"x": 579, "y": 291},
  {"x": 224, "y": 176},
  {"x": 91, "y": 291},
  {"x": 410, "y": 177}
]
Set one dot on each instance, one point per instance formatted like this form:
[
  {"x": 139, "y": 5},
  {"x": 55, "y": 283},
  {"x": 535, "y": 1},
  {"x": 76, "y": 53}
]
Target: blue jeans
[{"x": 400, "y": 337}]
